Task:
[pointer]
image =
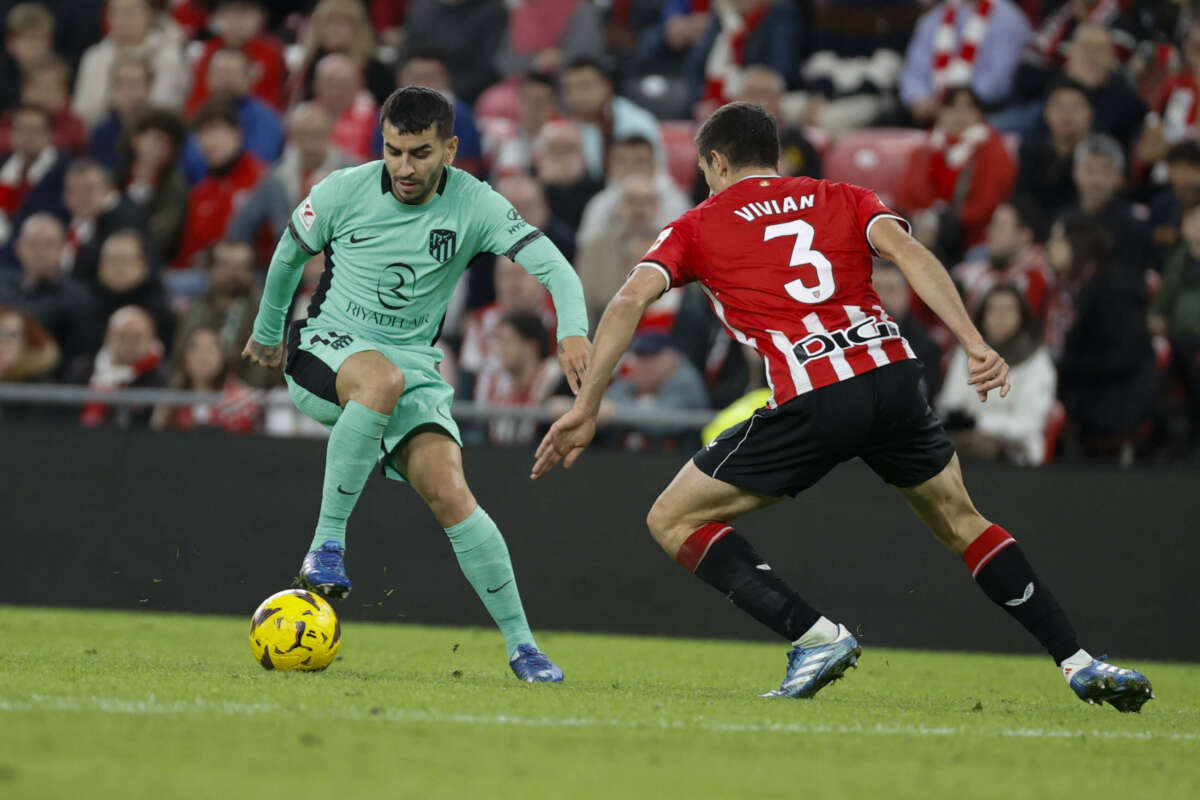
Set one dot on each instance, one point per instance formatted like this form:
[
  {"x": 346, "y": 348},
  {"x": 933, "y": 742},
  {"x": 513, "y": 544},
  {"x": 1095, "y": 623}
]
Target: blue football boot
[
  {"x": 531, "y": 665},
  {"x": 1123, "y": 689},
  {"x": 324, "y": 571},
  {"x": 810, "y": 668}
]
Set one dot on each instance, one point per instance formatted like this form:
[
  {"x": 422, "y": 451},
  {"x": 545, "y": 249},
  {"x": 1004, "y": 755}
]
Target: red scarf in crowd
[
  {"x": 954, "y": 55},
  {"x": 728, "y": 51}
]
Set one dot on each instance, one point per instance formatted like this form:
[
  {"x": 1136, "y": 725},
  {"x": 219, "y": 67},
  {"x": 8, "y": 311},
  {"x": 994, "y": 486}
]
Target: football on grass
[{"x": 295, "y": 629}]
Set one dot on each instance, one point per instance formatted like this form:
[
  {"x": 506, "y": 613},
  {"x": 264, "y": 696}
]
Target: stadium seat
[
  {"x": 872, "y": 157},
  {"x": 681, "y": 151}
]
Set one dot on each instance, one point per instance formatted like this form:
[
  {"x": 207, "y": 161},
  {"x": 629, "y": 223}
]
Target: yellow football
[{"x": 295, "y": 629}]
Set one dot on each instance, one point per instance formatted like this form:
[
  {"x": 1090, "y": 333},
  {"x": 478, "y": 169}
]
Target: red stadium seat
[
  {"x": 872, "y": 157},
  {"x": 681, "y": 151}
]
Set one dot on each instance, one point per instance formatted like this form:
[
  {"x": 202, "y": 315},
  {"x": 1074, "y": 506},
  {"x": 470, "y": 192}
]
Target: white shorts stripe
[{"x": 745, "y": 435}]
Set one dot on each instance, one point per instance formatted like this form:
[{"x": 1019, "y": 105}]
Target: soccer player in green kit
[{"x": 397, "y": 236}]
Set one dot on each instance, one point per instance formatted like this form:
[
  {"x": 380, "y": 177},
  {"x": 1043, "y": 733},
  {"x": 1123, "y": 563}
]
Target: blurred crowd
[{"x": 151, "y": 152}]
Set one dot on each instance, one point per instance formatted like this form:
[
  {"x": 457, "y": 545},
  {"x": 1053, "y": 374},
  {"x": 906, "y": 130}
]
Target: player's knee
[
  {"x": 449, "y": 499},
  {"x": 661, "y": 523},
  {"x": 382, "y": 390}
]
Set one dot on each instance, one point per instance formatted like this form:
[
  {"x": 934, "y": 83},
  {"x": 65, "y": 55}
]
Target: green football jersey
[{"x": 390, "y": 268}]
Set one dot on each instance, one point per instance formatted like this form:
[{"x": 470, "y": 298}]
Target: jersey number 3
[{"x": 804, "y": 255}]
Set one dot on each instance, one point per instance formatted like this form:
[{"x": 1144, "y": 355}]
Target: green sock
[
  {"x": 352, "y": 453},
  {"x": 483, "y": 557}
]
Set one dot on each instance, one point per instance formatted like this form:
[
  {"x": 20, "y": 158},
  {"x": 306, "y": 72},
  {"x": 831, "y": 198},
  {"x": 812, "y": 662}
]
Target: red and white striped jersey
[{"x": 786, "y": 266}]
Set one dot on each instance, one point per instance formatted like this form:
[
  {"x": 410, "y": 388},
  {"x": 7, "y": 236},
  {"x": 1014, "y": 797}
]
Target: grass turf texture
[{"x": 131, "y": 705}]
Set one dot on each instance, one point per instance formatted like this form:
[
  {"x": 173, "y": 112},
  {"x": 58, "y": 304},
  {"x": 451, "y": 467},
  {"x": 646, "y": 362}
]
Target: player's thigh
[
  {"x": 370, "y": 378},
  {"x": 694, "y": 499},
  {"x": 432, "y": 462},
  {"x": 944, "y": 506},
  {"x": 318, "y": 361}
]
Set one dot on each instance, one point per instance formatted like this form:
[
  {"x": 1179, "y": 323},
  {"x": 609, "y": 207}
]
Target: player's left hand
[
  {"x": 986, "y": 370},
  {"x": 566, "y": 438},
  {"x": 574, "y": 352}
]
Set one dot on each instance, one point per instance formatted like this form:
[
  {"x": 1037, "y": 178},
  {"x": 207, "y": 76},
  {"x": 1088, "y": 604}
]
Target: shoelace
[
  {"x": 329, "y": 559},
  {"x": 534, "y": 659}
]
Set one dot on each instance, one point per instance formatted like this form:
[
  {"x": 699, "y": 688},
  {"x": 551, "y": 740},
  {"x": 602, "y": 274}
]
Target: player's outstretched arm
[
  {"x": 541, "y": 259},
  {"x": 265, "y": 346},
  {"x": 574, "y": 430},
  {"x": 986, "y": 370}
]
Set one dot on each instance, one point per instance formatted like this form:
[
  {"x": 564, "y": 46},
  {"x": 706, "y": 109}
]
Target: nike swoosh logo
[
  {"x": 363, "y": 238},
  {"x": 343, "y": 491},
  {"x": 498, "y": 588},
  {"x": 1028, "y": 593}
]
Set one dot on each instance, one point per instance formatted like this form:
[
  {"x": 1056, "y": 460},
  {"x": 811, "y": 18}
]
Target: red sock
[
  {"x": 696, "y": 546},
  {"x": 985, "y": 547}
]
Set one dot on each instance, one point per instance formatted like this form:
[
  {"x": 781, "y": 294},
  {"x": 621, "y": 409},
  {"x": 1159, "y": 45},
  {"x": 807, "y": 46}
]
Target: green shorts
[{"x": 315, "y": 354}]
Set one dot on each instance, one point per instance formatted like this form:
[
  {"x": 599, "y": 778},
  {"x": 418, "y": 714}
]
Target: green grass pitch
[{"x": 144, "y": 705}]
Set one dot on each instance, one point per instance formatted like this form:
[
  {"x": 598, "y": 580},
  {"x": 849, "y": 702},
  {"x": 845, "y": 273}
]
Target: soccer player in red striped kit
[{"x": 786, "y": 266}]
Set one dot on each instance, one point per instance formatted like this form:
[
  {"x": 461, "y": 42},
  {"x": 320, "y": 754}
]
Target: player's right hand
[
  {"x": 267, "y": 355},
  {"x": 986, "y": 370},
  {"x": 567, "y": 438}
]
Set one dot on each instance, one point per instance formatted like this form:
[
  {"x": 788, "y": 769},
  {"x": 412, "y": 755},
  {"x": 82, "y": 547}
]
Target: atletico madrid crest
[{"x": 441, "y": 244}]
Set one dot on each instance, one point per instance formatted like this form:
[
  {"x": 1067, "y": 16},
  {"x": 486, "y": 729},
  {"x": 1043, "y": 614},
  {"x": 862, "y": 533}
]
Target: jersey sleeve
[
  {"x": 869, "y": 209},
  {"x": 311, "y": 225},
  {"x": 672, "y": 253},
  {"x": 504, "y": 230}
]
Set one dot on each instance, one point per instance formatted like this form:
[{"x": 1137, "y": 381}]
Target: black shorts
[{"x": 882, "y": 416}]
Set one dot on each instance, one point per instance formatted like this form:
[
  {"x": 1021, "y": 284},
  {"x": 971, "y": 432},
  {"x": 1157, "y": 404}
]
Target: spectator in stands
[
  {"x": 341, "y": 26},
  {"x": 241, "y": 24},
  {"x": 1107, "y": 377},
  {"x": 975, "y": 42},
  {"x": 516, "y": 290},
  {"x": 131, "y": 357},
  {"x": 764, "y": 86},
  {"x": 31, "y": 179},
  {"x": 27, "y": 351},
  {"x": 560, "y": 166},
  {"x": 1182, "y": 191},
  {"x": 523, "y": 374},
  {"x": 48, "y": 84},
  {"x": 132, "y": 29},
  {"x": 606, "y": 257},
  {"x": 308, "y": 157},
  {"x": 202, "y": 365},
  {"x": 1013, "y": 258},
  {"x": 602, "y": 116},
  {"x": 1178, "y": 100},
  {"x": 1009, "y": 428},
  {"x": 154, "y": 180},
  {"x": 126, "y": 279},
  {"x": 229, "y": 80},
  {"x": 543, "y": 35},
  {"x": 629, "y": 157},
  {"x": 61, "y": 304},
  {"x": 468, "y": 34},
  {"x": 97, "y": 209},
  {"x": 657, "y": 378},
  {"x": 1099, "y": 174},
  {"x": 744, "y": 32},
  {"x": 1175, "y": 312},
  {"x": 1047, "y": 155},
  {"x": 233, "y": 175},
  {"x": 1050, "y": 46},
  {"x": 131, "y": 81},
  {"x": 229, "y": 306},
  {"x": 428, "y": 68},
  {"x": 1092, "y": 62},
  {"x": 28, "y": 39},
  {"x": 896, "y": 297},
  {"x": 955, "y": 181},
  {"x": 529, "y": 200},
  {"x": 337, "y": 87},
  {"x": 663, "y": 48},
  {"x": 508, "y": 144}
]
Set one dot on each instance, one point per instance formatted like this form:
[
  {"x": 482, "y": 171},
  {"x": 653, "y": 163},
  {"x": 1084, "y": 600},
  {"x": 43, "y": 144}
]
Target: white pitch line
[{"x": 199, "y": 705}]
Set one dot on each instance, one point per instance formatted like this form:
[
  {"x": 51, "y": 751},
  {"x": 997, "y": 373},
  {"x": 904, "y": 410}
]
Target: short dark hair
[
  {"x": 417, "y": 108},
  {"x": 216, "y": 110},
  {"x": 426, "y": 53},
  {"x": 87, "y": 164},
  {"x": 1070, "y": 84},
  {"x": 1186, "y": 151},
  {"x": 165, "y": 121},
  {"x": 540, "y": 78},
  {"x": 1029, "y": 213},
  {"x": 529, "y": 327},
  {"x": 744, "y": 133},
  {"x": 599, "y": 64},
  {"x": 952, "y": 93}
]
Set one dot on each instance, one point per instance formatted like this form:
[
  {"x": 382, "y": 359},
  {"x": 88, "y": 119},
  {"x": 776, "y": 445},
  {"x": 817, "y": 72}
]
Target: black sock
[
  {"x": 732, "y": 567},
  {"x": 1005, "y": 576}
]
